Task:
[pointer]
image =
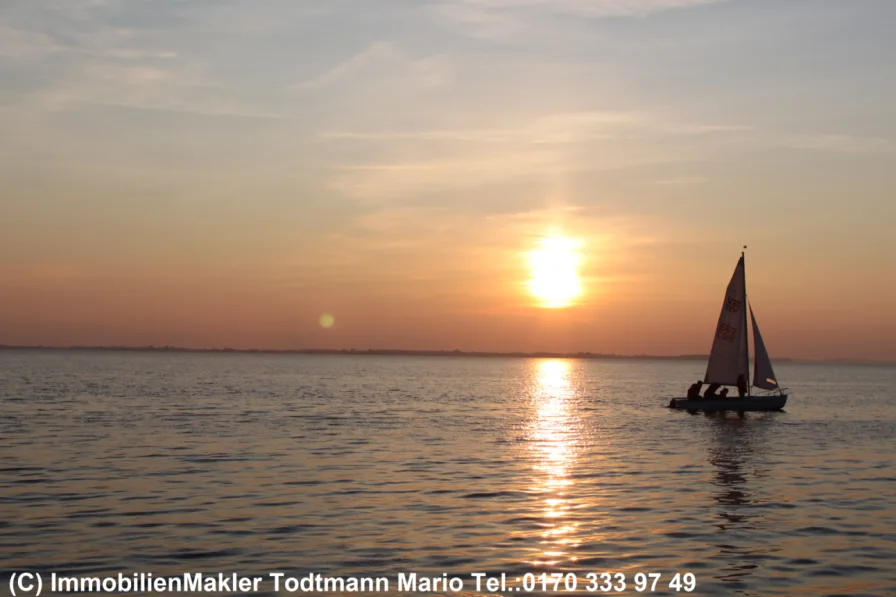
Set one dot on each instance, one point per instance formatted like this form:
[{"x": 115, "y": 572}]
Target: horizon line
[{"x": 436, "y": 353}]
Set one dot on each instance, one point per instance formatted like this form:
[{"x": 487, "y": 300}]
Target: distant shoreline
[
  {"x": 370, "y": 352},
  {"x": 430, "y": 353}
]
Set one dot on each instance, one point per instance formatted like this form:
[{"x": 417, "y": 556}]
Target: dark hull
[{"x": 752, "y": 404}]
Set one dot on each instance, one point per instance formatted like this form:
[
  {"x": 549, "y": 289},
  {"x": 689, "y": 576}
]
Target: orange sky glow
[{"x": 218, "y": 177}]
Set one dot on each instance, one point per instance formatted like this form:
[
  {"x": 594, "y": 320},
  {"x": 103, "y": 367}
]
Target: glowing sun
[{"x": 554, "y": 266}]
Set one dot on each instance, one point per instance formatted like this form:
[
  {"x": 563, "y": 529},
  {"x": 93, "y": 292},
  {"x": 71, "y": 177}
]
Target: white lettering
[
  {"x": 192, "y": 582},
  {"x": 336, "y": 585},
  {"x": 223, "y": 583}
]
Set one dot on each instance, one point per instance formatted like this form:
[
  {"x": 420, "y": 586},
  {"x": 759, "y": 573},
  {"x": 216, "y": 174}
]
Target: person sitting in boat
[
  {"x": 741, "y": 385},
  {"x": 710, "y": 393},
  {"x": 724, "y": 394},
  {"x": 694, "y": 390}
]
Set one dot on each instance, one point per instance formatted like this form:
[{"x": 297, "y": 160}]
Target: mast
[{"x": 746, "y": 333}]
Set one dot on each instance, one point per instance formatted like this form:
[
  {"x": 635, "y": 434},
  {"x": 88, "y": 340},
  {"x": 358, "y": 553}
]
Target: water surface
[{"x": 370, "y": 466}]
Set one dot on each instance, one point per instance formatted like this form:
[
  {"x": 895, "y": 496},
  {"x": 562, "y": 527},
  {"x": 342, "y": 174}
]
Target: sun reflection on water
[{"x": 554, "y": 441}]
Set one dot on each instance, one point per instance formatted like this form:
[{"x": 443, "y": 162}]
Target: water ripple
[{"x": 130, "y": 462}]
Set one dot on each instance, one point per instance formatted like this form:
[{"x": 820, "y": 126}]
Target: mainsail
[
  {"x": 763, "y": 375},
  {"x": 728, "y": 359}
]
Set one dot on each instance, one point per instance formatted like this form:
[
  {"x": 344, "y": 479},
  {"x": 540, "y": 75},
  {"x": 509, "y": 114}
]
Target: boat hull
[{"x": 751, "y": 404}]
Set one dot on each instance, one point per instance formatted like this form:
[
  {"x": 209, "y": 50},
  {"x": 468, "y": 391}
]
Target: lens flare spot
[{"x": 326, "y": 321}]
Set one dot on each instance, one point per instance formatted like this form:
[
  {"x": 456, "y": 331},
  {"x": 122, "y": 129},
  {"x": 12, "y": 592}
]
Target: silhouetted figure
[
  {"x": 711, "y": 391},
  {"x": 694, "y": 390},
  {"x": 723, "y": 394},
  {"x": 741, "y": 385}
]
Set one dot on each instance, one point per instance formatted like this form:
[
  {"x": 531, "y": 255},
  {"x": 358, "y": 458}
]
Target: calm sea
[{"x": 375, "y": 466}]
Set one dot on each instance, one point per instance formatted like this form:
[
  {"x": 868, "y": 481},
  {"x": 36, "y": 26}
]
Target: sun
[{"x": 554, "y": 266}]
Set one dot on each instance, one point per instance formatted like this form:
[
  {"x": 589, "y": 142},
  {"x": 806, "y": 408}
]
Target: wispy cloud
[
  {"x": 564, "y": 127},
  {"x": 144, "y": 87},
  {"x": 358, "y": 63},
  {"x": 681, "y": 181},
  {"x": 175, "y": 56},
  {"x": 408, "y": 164},
  {"x": 19, "y": 44},
  {"x": 839, "y": 144},
  {"x": 588, "y": 8},
  {"x": 550, "y": 146},
  {"x": 387, "y": 241},
  {"x": 501, "y": 18},
  {"x": 560, "y": 128},
  {"x": 383, "y": 60}
]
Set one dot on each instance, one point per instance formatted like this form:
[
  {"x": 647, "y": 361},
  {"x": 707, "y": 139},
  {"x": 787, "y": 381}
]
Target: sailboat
[{"x": 729, "y": 363}]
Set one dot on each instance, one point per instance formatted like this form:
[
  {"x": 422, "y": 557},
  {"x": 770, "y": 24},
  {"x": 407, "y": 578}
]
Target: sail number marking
[
  {"x": 726, "y": 332},
  {"x": 732, "y": 305}
]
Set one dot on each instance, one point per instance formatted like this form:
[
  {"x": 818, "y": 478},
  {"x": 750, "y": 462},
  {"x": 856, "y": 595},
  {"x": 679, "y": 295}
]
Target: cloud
[
  {"x": 586, "y": 8},
  {"x": 561, "y": 127},
  {"x": 382, "y": 62},
  {"x": 549, "y": 148},
  {"x": 682, "y": 181},
  {"x": 705, "y": 129},
  {"x": 177, "y": 56},
  {"x": 501, "y": 18},
  {"x": 358, "y": 63},
  {"x": 19, "y": 44},
  {"x": 475, "y": 168},
  {"x": 383, "y": 248},
  {"x": 129, "y": 85},
  {"x": 470, "y": 164},
  {"x": 839, "y": 144}
]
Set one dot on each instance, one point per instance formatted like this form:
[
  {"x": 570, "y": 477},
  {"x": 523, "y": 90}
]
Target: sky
[{"x": 222, "y": 173}]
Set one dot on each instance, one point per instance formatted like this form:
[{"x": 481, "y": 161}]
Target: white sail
[
  {"x": 763, "y": 375},
  {"x": 728, "y": 358}
]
